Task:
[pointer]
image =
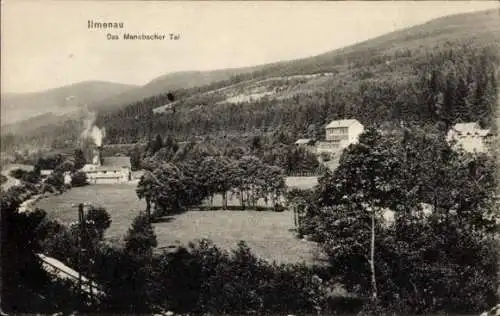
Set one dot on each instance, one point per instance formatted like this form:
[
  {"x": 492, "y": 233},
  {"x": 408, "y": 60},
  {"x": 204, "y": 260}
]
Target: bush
[
  {"x": 79, "y": 179},
  {"x": 325, "y": 156},
  {"x": 98, "y": 219},
  {"x": 279, "y": 208},
  {"x": 140, "y": 239},
  {"x": 205, "y": 279},
  {"x": 17, "y": 173},
  {"x": 56, "y": 180}
]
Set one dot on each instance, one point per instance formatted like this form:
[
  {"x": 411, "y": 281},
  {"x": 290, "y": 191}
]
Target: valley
[{"x": 357, "y": 181}]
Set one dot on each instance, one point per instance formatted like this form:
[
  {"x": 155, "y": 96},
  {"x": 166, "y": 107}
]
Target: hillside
[
  {"x": 397, "y": 76},
  {"x": 171, "y": 82},
  {"x": 385, "y": 79},
  {"x": 20, "y": 106},
  {"x": 53, "y": 106}
]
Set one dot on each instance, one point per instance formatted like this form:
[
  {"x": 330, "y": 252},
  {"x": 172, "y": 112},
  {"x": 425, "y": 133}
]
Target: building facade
[
  {"x": 342, "y": 133},
  {"x": 108, "y": 169}
]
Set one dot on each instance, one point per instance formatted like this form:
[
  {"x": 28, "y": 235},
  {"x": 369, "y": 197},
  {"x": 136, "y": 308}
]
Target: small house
[
  {"x": 342, "y": 133},
  {"x": 470, "y": 137}
]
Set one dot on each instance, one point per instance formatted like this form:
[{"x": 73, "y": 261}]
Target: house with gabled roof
[
  {"x": 108, "y": 170},
  {"x": 339, "y": 134}
]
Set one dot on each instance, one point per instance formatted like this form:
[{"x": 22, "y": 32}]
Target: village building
[
  {"x": 470, "y": 137},
  {"x": 46, "y": 172},
  {"x": 339, "y": 134},
  {"x": 108, "y": 169}
]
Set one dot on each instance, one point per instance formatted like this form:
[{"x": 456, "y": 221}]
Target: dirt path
[{"x": 10, "y": 180}]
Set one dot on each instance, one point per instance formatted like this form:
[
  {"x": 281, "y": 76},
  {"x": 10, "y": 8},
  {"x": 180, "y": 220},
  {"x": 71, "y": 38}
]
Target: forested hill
[{"x": 441, "y": 71}]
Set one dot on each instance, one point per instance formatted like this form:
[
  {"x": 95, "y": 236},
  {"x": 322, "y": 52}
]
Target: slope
[
  {"x": 375, "y": 81},
  {"x": 20, "y": 106},
  {"x": 171, "y": 82}
]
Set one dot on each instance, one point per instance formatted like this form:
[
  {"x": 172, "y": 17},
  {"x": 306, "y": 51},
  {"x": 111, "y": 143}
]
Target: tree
[
  {"x": 155, "y": 145},
  {"x": 127, "y": 274},
  {"x": 26, "y": 286},
  {"x": 135, "y": 159},
  {"x": 363, "y": 182},
  {"x": 140, "y": 239},
  {"x": 79, "y": 179},
  {"x": 99, "y": 220},
  {"x": 444, "y": 221},
  {"x": 145, "y": 189},
  {"x": 80, "y": 160}
]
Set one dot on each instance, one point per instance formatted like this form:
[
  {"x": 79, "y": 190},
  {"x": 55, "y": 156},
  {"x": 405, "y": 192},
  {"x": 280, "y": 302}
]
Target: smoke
[
  {"x": 90, "y": 130},
  {"x": 97, "y": 135}
]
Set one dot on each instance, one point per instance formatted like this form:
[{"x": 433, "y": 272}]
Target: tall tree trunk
[
  {"x": 242, "y": 197},
  {"x": 148, "y": 207},
  {"x": 372, "y": 259},
  {"x": 224, "y": 200}
]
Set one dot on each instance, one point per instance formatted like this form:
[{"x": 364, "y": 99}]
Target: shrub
[
  {"x": 205, "y": 279},
  {"x": 140, "y": 239},
  {"x": 325, "y": 156},
  {"x": 98, "y": 219},
  {"x": 56, "y": 180},
  {"x": 17, "y": 173}
]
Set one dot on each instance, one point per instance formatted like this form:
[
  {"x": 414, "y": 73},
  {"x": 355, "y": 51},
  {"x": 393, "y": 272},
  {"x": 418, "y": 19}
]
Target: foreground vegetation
[
  {"x": 420, "y": 262},
  {"x": 440, "y": 250}
]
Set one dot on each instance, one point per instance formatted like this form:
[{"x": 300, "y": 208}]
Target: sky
[{"x": 47, "y": 44}]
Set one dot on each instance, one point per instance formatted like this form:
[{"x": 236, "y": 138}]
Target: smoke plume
[{"x": 90, "y": 130}]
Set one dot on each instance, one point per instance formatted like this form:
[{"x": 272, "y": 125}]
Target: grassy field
[
  {"x": 301, "y": 182},
  {"x": 269, "y": 234}
]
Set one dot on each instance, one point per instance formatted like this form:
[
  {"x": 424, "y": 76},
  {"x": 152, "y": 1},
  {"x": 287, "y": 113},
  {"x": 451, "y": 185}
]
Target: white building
[
  {"x": 46, "y": 172},
  {"x": 339, "y": 135},
  {"x": 111, "y": 170},
  {"x": 470, "y": 137},
  {"x": 343, "y": 132}
]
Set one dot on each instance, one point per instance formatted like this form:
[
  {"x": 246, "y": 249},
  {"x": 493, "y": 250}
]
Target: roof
[
  {"x": 19, "y": 166},
  {"x": 304, "y": 141},
  {"x": 88, "y": 167},
  {"x": 62, "y": 271},
  {"x": 471, "y": 128},
  {"x": 116, "y": 162},
  {"x": 342, "y": 123}
]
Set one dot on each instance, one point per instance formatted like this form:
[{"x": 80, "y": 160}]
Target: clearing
[{"x": 270, "y": 235}]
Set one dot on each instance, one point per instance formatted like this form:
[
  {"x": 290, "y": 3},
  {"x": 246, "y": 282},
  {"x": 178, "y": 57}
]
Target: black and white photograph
[{"x": 226, "y": 158}]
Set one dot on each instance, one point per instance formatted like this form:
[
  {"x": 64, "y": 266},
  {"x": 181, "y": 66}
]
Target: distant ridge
[{"x": 21, "y": 106}]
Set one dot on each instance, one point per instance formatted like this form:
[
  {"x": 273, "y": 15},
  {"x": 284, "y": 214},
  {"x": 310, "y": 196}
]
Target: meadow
[{"x": 270, "y": 235}]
